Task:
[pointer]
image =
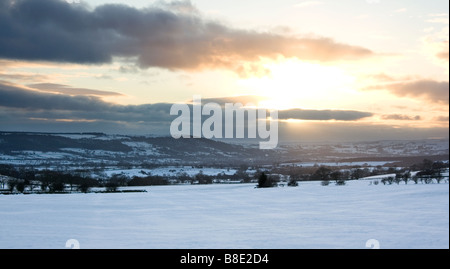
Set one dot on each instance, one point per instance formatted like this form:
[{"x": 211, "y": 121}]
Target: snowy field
[{"x": 232, "y": 216}]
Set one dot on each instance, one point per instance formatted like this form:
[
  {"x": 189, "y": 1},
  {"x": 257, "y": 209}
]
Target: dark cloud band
[
  {"x": 93, "y": 108},
  {"x": 323, "y": 115},
  {"x": 172, "y": 36}
]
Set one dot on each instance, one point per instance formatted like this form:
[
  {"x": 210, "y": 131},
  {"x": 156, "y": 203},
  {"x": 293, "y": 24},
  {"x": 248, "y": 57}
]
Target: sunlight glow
[{"x": 293, "y": 83}]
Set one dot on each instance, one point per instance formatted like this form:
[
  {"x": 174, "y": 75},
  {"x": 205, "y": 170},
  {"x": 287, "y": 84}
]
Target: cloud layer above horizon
[
  {"x": 24, "y": 109},
  {"x": 54, "y": 106}
]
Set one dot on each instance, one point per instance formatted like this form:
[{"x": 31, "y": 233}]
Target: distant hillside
[
  {"x": 98, "y": 149},
  {"x": 10, "y": 142},
  {"x": 82, "y": 148}
]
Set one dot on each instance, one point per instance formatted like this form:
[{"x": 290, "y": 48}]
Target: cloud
[
  {"x": 22, "y": 109},
  {"x": 432, "y": 91},
  {"x": 437, "y": 46},
  {"x": 19, "y": 97},
  {"x": 179, "y": 6},
  {"x": 242, "y": 99},
  {"x": 323, "y": 115},
  {"x": 172, "y": 36},
  {"x": 443, "y": 55},
  {"x": 23, "y": 102},
  {"x": 435, "y": 43},
  {"x": 400, "y": 117},
  {"x": 295, "y": 114},
  {"x": 442, "y": 118},
  {"x": 23, "y": 76},
  {"x": 65, "y": 89}
]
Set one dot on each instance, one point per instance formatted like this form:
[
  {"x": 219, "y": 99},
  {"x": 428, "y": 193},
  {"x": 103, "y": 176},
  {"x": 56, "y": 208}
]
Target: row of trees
[
  {"x": 50, "y": 182},
  {"x": 429, "y": 172},
  {"x": 424, "y": 177},
  {"x": 349, "y": 173},
  {"x": 22, "y": 179}
]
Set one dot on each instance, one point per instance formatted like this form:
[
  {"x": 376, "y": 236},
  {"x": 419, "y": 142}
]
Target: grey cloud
[
  {"x": 50, "y": 30},
  {"x": 431, "y": 90},
  {"x": 323, "y": 115},
  {"x": 17, "y": 97},
  {"x": 24, "y": 77},
  {"x": 19, "y": 120},
  {"x": 60, "y": 106},
  {"x": 65, "y": 89},
  {"x": 173, "y": 36},
  {"x": 400, "y": 117},
  {"x": 299, "y": 114},
  {"x": 442, "y": 118}
]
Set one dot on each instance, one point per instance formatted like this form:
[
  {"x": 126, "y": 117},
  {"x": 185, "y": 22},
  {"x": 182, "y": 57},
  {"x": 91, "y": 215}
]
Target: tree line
[
  {"x": 28, "y": 179},
  {"x": 428, "y": 172}
]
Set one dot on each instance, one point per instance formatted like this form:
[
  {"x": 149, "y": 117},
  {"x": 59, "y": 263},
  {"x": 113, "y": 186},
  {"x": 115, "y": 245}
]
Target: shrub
[
  {"x": 11, "y": 184},
  {"x": 265, "y": 182},
  {"x": 292, "y": 183},
  {"x": 325, "y": 183},
  {"x": 85, "y": 184},
  {"x": 388, "y": 180},
  {"x": 406, "y": 177},
  {"x": 57, "y": 186},
  {"x": 148, "y": 181},
  {"x": 20, "y": 186},
  {"x": 322, "y": 173},
  {"x": 203, "y": 179},
  {"x": 84, "y": 187}
]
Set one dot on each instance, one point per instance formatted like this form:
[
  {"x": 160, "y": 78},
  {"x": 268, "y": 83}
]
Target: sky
[{"x": 348, "y": 70}]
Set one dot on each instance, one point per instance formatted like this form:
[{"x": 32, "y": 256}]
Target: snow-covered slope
[{"x": 233, "y": 216}]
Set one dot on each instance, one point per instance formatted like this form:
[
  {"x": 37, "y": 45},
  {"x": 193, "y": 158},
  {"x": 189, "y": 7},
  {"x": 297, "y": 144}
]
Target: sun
[{"x": 294, "y": 83}]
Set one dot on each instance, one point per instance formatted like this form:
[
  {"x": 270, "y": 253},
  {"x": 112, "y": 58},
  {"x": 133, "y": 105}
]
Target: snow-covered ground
[{"x": 233, "y": 216}]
